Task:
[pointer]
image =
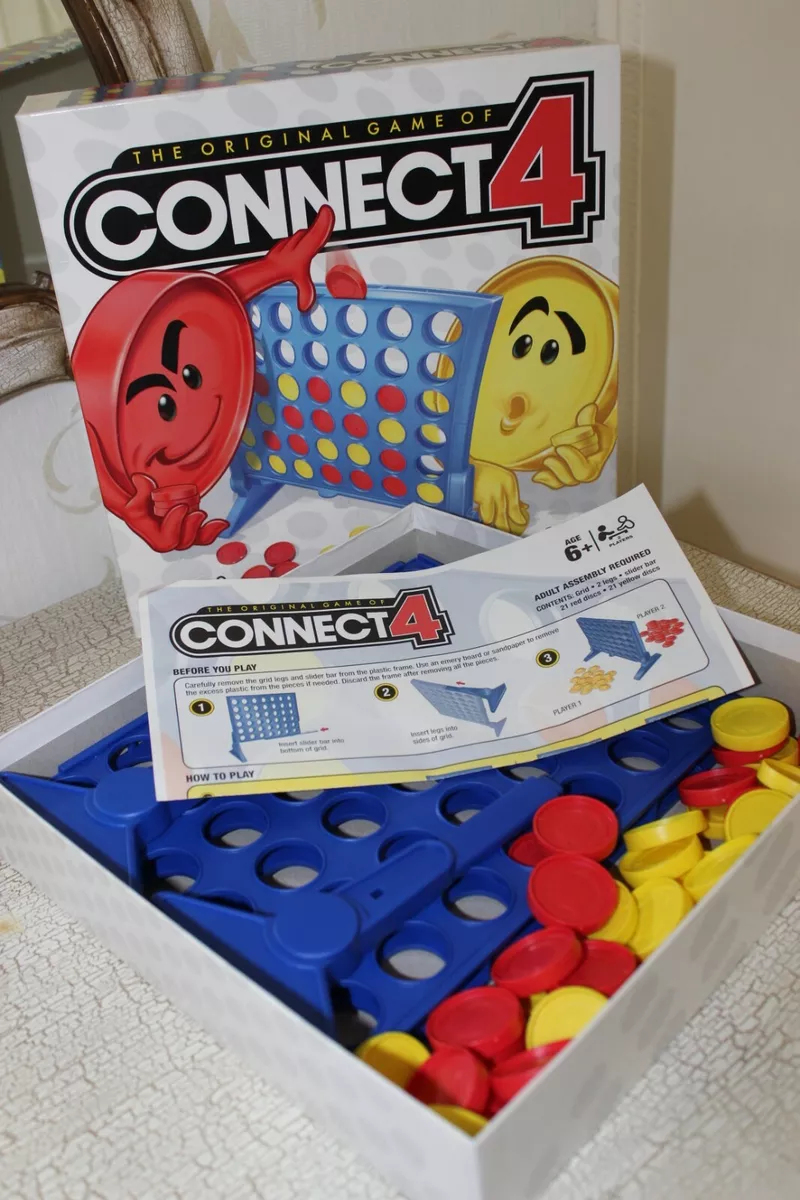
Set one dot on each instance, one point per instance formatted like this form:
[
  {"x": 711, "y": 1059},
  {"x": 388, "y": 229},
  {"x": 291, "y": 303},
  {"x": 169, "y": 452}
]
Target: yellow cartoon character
[{"x": 548, "y": 396}]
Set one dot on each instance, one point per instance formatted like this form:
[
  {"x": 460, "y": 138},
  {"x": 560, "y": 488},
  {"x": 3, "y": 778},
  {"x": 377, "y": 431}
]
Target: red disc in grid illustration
[
  {"x": 355, "y": 425},
  {"x": 394, "y": 487},
  {"x": 285, "y": 568},
  {"x": 318, "y": 390},
  {"x": 391, "y": 399},
  {"x": 361, "y": 480},
  {"x": 297, "y": 443},
  {"x": 261, "y": 384},
  {"x": 272, "y": 440},
  {"x": 323, "y": 421},
  {"x": 293, "y": 417},
  {"x": 393, "y": 460},
  {"x": 258, "y": 572},
  {"x": 330, "y": 474}
]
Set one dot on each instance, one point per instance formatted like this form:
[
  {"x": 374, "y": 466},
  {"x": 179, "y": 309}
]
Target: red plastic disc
[
  {"x": 741, "y": 758},
  {"x": 355, "y": 425},
  {"x": 452, "y": 1075},
  {"x": 391, "y": 399},
  {"x": 393, "y": 486},
  {"x": 284, "y": 568},
  {"x": 539, "y": 962},
  {"x": 576, "y": 825},
  {"x": 393, "y": 460},
  {"x": 260, "y": 385},
  {"x": 361, "y": 480},
  {"x": 605, "y": 967},
  {"x": 257, "y": 573},
  {"x": 272, "y": 440},
  {"x": 323, "y": 421},
  {"x": 571, "y": 890},
  {"x": 231, "y": 552},
  {"x": 293, "y": 417},
  {"x": 511, "y": 1075},
  {"x": 279, "y": 552},
  {"x": 490, "y": 1021},
  {"x": 527, "y": 850},
  {"x": 710, "y": 789},
  {"x": 330, "y": 473},
  {"x": 318, "y": 390}
]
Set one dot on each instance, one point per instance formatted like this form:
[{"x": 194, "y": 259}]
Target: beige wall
[
  {"x": 21, "y": 20},
  {"x": 713, "y": 382}
]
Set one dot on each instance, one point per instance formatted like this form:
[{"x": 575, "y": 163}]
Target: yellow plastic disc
[
  {"x": 355, "y": 532},
  {"x": 358, "y": 454},
  {"x": 753, "y": 723},
  {"x": 303, "y": 468},
  {"x": 391, "y": 431},
  {"x": 661, "y": 905},
  {"x": 660, "y": 862},
  {"x": 668, "y": 829},
  {"x": 471, "y": 1122},
  {"x": 253, "y": 460},
  {"x": 277, "y": 463},
  {"x": 536, "y": 1000},
  {"x": 715, "y": 831},
  {"x": 430, "y": 493},
  {"x": 753, "y": 811},
  {"x": 249, "y": 438},
  {"x": 266, "y": 412},
  {"x": 289, "y": 387},
  {"x": 353, "y": 394},
  {"x": 781, "y": 776},
  {"x": 562, "y": 1015},
  {"x": 789, "y": 752},
  {"x": 395, "y": 1055},
  {"x": 621, "y": 925},
  {"x": 710, "y": 870},
  {"x": 327, "y": 449}
]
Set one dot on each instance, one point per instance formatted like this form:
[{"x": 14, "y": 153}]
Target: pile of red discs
[{"x": 488, "y": 1042}]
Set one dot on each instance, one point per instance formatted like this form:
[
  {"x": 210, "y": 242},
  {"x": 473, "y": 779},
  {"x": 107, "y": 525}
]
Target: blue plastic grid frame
[
  {"x": 619, "y": 639},
  {"x": 394, "y": 338},
  {"x": 262, "y": 718},
  {"x": 463, "y": 703}
]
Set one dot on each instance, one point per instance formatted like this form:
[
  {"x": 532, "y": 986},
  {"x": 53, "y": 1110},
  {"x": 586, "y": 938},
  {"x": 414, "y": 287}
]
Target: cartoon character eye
[
  {"x": 549, "y": 352},
  {"x": 522, "y": 346},
  {"x": 191, "y": 376},
  {"x": 167, "y": 408}
]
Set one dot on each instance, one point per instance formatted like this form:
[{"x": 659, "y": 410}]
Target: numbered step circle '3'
[{"x": 371, "y": 399}]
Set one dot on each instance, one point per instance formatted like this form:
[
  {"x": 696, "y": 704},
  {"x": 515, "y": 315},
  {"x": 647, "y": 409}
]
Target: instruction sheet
[{"x": 575, "y": 634}]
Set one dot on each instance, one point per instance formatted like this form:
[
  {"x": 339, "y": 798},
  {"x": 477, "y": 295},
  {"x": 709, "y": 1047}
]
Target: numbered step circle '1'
[{"x": 372, "y": 399}]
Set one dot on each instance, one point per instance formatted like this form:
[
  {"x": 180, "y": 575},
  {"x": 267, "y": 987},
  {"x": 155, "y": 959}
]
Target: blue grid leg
[
  {"x": 494, "y": 696},
  {"x": 592, "y": 654},
  {"x": 497, "y": 726},
  {"x": 237, "y": 752},
  {"x": 650, "y": 661},
  {"x": 246, "y": 506}
]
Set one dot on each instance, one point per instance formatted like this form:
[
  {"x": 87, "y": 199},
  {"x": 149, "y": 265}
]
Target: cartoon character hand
[
  {"x": 580, "y": 453},
  {"x": 180, "y": 528},
  {"x": 496, "y": 495}
]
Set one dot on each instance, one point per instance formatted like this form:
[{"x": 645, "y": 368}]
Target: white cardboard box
[{"x": 427, "y": 1158}]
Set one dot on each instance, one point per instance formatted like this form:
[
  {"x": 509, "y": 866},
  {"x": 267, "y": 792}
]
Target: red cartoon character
[{"x": 165, "y": 366}]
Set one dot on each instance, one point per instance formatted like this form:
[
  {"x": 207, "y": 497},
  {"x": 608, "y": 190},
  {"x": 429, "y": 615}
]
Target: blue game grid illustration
[
  {"x": 261, "y": 718},
  {"x": 372, "y": 399},
  {"x": 463, "y": 703},
  {"x": 618, "y": 639}
]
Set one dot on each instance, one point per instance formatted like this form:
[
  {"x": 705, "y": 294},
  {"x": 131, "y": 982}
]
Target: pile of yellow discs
[{"x": 590, "y": 679}]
